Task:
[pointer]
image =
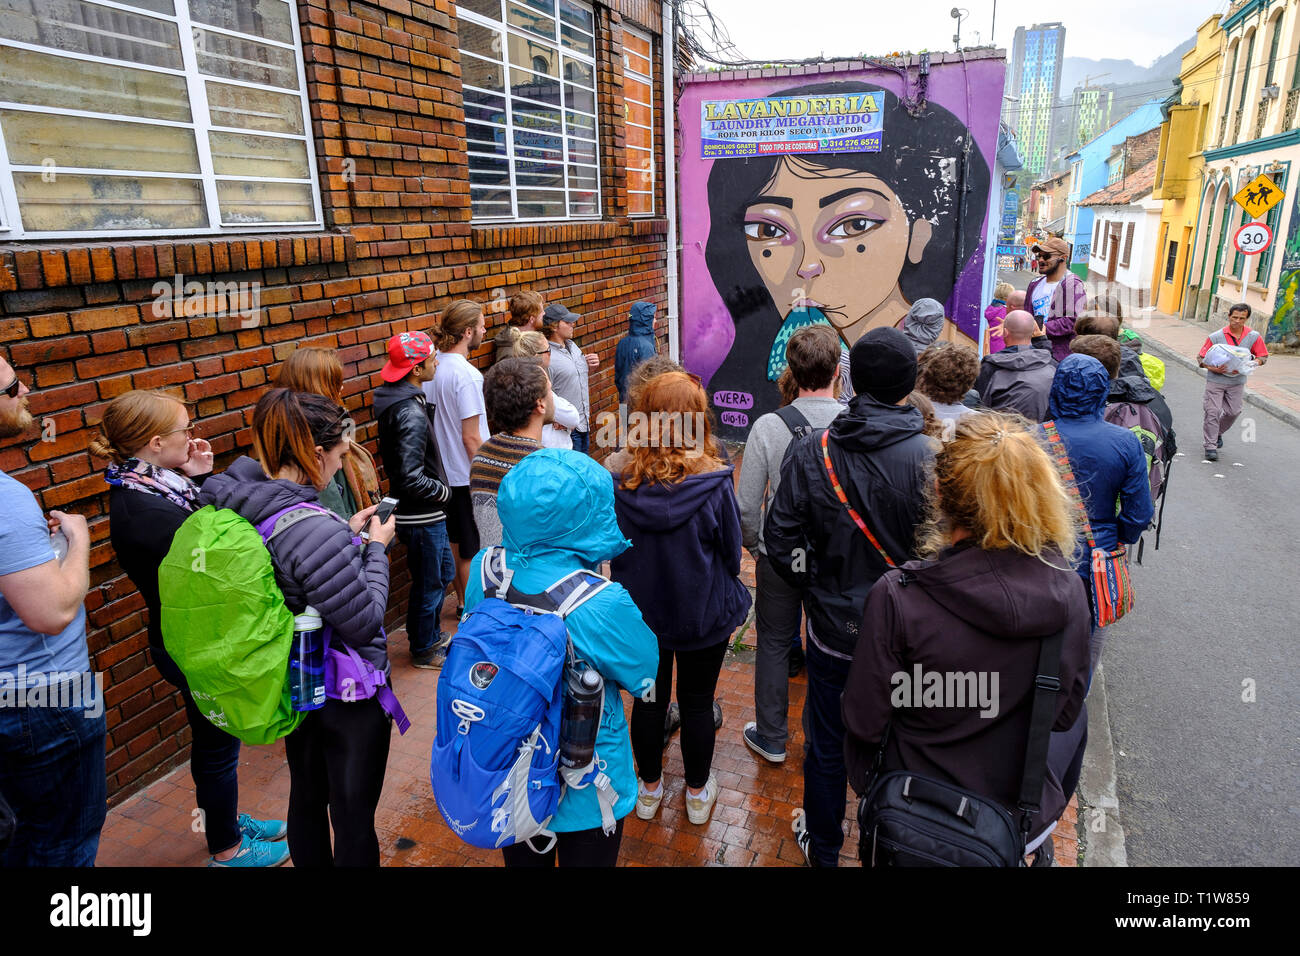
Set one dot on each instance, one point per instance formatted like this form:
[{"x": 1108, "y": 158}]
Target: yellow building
[{"x": 1183, "y": 136}]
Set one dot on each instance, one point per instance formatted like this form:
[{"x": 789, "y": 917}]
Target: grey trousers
[
  {"x": 778, "y": 609},
  {"x": 1222, "y": 405}
]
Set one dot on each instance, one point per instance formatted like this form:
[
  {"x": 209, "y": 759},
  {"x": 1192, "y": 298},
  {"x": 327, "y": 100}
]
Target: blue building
[
  {"x": 1033, "y": 87},
  {"x": 1089, "y": 172}
]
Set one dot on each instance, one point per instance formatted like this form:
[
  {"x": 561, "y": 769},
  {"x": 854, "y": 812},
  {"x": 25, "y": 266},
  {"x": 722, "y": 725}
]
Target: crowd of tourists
[{"x": 911, "y": 508}]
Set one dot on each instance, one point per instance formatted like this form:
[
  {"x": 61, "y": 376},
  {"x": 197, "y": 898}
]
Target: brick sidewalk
[{"x": 750, "y": 824}]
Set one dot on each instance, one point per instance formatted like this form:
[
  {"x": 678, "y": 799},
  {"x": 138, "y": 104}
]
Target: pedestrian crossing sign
[{"x": 1259, "y": 196}]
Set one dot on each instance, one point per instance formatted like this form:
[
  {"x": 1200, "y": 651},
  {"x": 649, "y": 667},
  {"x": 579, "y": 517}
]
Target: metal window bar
[{"x": 567, "y": 136}]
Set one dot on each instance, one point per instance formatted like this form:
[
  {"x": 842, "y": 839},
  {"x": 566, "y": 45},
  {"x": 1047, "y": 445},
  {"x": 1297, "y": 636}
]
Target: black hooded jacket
[
  {"x": 315, "y": 560},
  {"x": 881, "y": 458},
  {"x": 966, "y": 612},
  {"x": 407, "y": 446}
]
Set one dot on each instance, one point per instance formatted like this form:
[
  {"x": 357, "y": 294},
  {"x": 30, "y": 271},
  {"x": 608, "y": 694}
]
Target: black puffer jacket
[
  {"x": 406, "y": 443},
  {"x": 314, "y": 558},
  {"x": 881, "y": 459}
]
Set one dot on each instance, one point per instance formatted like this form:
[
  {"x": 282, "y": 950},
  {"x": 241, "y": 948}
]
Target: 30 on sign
[{"x": 1253, "y": 238}]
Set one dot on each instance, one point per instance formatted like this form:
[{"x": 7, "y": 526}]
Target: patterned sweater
[{"x": 495, "y": 457}]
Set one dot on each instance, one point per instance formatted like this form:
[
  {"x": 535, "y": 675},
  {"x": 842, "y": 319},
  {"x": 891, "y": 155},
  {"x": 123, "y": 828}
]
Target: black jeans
[
  {"x": 579, "y": 848},
  {"x": 214, "y": 764},
  {"x": 825, "y": 776},
  {"x": 337, "y": 758},
  {"x": 697, "y": 679}
]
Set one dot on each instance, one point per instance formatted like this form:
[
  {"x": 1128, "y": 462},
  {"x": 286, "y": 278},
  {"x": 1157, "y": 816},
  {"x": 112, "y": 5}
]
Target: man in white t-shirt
[{"x": 459, "y": 422}]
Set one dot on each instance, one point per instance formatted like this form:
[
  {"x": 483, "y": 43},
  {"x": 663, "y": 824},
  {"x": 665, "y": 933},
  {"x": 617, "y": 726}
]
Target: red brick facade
[{"x": 79, "y": 322}]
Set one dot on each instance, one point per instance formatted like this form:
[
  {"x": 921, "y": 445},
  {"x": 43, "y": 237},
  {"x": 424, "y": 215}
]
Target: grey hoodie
[
  {"x": 924, "y": 323},
  {"x": 1017, "y": 379}
]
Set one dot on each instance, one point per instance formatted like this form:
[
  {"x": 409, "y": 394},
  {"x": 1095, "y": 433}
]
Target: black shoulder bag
[{"x": 907, "y": 819}]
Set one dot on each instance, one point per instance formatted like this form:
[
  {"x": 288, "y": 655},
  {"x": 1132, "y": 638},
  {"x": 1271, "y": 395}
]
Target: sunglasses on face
[
  {"x": 13, "y": 388},
  {"x": 1046, "y": 256}
]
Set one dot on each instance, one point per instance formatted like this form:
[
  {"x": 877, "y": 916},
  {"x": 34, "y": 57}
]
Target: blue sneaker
[
  {"x": 267, "y": 831},
  {"x": 255, "y": 853}
]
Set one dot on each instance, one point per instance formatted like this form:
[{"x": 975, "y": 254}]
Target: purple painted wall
[{"x": 730, "y": 317}]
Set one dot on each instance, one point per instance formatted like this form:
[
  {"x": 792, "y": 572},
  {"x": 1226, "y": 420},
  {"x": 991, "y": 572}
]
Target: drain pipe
[{"x": 670, "y": 177}]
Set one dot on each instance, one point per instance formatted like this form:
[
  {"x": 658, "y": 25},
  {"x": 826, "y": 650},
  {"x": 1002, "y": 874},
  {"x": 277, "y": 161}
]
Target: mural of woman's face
[{"x": 834, "y": 240}]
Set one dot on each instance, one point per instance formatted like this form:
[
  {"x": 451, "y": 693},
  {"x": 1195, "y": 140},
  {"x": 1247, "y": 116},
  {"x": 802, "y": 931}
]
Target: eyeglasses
[
  {"x": 13, "y": 388},
  {"x": 188, "y": 430},
  {"x": 545, "y": 351}
]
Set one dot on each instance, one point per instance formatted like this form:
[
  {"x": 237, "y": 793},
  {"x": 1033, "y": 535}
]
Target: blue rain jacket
[
  {"x": 635, "y": 347},
  {"x": 557, "y": 516},
  {"x": 1109, "y": 465}
]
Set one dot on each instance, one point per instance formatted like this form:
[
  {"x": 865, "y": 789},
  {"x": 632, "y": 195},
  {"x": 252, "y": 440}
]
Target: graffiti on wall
[
  {"x": 1284, "y": 324},
  {"x": 847, "y": 239}
]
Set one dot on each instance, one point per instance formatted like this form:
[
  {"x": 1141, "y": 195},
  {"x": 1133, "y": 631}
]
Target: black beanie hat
[{"x": 883, "y": 365}]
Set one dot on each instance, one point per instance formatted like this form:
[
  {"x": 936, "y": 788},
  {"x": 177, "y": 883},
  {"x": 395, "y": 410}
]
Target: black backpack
[
  {"x": 908, "y": 819},
  {"x": 795, "y": 421},
  {"x": 7, "y": 823}
]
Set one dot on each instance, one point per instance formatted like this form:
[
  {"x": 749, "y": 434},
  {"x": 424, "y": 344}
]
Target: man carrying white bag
[{"x": 1228, "y": 356}]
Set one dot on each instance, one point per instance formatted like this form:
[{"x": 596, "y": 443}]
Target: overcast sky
[{"x": 1122, "y": 29}]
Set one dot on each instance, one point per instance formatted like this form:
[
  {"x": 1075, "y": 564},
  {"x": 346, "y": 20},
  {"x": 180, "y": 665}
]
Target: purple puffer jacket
[{"x": 315, "y": 560}]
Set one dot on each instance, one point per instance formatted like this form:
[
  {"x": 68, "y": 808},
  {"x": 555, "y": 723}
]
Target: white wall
[{"x": 1145, "y": 214}]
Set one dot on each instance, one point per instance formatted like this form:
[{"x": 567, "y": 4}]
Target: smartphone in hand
[{"x": 385, "y": 509}]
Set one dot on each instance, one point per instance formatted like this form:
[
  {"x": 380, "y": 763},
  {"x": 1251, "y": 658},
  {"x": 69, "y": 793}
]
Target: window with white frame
[
  {"x": 153, "y": 117},
  {"x": 528, "y": 68},
  {"x": 638, "y": 97}
]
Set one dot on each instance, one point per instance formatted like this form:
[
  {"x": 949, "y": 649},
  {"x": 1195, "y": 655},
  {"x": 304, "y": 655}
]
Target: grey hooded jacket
[
  {"x": 1017, "y": 379},
  {"x": 314, "y": 558},
  {"x": 924, "y": 323}
]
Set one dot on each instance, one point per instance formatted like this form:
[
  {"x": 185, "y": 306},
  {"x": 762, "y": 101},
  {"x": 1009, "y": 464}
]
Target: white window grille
[
  {"x": 528, "y": 69},
  {"x": 153, "y": 118},
  {"x": 638, "y": 96}
]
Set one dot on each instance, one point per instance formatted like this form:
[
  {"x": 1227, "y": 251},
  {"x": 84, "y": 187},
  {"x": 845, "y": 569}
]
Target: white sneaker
[
  {"x": 647, "y": 804},
  {"x": 699, "y": 809}
]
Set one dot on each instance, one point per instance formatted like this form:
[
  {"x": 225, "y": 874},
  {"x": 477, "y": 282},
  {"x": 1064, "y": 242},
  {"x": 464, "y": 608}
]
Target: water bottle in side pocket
[{"x": 307, "y": 661}]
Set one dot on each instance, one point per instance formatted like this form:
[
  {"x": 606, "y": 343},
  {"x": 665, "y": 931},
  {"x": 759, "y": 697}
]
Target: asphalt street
[{"x": 1203, "y": 676}]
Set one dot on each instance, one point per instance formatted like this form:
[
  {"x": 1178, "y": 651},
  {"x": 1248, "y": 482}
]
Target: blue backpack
[{"x": 495, "y": 767}]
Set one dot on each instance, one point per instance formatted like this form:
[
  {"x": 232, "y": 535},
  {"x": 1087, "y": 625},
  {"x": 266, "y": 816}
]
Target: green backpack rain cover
[{"x": 225, "y": 623}]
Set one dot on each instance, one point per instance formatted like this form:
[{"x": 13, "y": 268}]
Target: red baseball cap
[{"x": 405, "y": 351}]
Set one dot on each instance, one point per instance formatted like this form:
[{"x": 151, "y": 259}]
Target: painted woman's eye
[
  {"x": 852, "y": 227},
  {"x": 763, "y": 231}
]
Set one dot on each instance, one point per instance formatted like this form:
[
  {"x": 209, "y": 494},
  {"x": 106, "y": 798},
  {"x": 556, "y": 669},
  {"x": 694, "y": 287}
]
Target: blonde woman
[
  {"x": 994, "y": 314},
  {"x": 533, "y": 347},
  {"x": 997, "y": 580},
  {"x": 156, "y": 468}
]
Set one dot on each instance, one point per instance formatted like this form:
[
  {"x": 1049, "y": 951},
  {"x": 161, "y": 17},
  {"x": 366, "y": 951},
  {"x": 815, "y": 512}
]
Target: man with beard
[
  {"x": 51, "y": 735},
  {"x": 459, "y": 421},
  {"x": 517, "y": 392},
  {"x": 1057, "y": 295}
]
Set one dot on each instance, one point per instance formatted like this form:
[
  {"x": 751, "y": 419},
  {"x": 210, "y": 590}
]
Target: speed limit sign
[{"x": 1253, "y": 238}]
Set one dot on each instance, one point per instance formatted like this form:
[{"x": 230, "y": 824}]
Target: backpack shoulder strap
[
  {"x": 1047, "y": 685},
  {"x": 269, "y": 527},
  {"x": 844, "y": 500},
  {"x": 576, "y": 589},
  {"x": 1067, "y": 476},
  {"x": 795, "y": 420}
]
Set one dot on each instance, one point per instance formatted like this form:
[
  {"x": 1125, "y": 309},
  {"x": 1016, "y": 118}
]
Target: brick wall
[{"x": 81, "y": 325}]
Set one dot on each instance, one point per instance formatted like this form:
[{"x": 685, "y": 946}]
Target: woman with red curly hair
[{"x": 675, "y": 500}]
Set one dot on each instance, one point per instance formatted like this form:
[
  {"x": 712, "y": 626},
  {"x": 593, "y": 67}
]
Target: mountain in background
[{"x": 1075, "y": 69}]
